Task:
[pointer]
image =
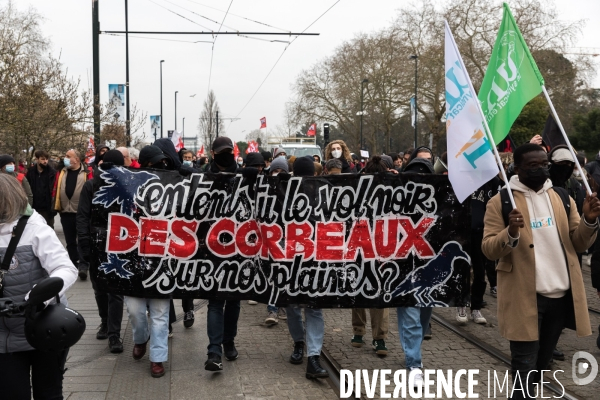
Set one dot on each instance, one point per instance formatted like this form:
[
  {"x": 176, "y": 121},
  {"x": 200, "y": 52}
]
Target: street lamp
[
  {"x": 415, "y": 57},
  {"x": 362, "y": 99},
  {"x": 161, "y": 115},
  {"x": 183, "y": 128},
  {"x": 176, "y": 109}
]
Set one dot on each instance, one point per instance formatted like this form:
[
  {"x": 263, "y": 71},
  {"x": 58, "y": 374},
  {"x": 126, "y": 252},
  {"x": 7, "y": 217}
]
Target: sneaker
[
  {"x": 281, "y": 314},
  {"x": 427, "y": 335},
  {"x": 379, "y": 347},
  {"x": 271, "y": 319},
  {"x": 83, "y": 274},
  {"x": 558, "y": 355},
  {"x": 188, "y": 319},
  {"x": 477, "y": 317},
  {"x": 115, "y": 344},
  {"x": 170, "y": 331},
  {"x": 213, "y": 363},
  {"x": 230, "y": 351},
  {"x": 461, "y": 315},
  {"x": 252, "y": 302},
  {"x": 416, "y": 377},
  {"x": 494, "y": 291},
  {"x": 357, "y": 341},
  {"x": 102, "y": 332}
]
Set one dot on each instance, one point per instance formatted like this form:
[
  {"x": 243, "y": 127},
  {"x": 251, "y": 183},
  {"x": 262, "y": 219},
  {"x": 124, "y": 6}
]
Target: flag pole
[
  {"x": 562, "y": 130},
  {"x": 487, "y": 128}
]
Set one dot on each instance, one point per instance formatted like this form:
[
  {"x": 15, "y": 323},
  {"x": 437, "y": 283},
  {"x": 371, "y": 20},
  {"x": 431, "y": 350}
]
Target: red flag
[
  {"x": 90, "y": 154},
  {"x": 236, "y": 151},
  {"x": 200, "y": 152},
  {"x": 252, "y": 147},
  {"x": 312, "y": 131},
  {"x": 263, "y": 122}
]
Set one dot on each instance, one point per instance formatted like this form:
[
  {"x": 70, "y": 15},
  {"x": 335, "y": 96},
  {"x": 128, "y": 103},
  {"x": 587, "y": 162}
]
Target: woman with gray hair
[{"x": 38, "y": 254}]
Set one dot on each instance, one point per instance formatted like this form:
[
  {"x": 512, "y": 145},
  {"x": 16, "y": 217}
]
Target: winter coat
[
  {"x": 41, "y": 185},
  {"x": 168, "y": 149},
  {"x": 516, "y": 269},
  {"x": 60, "y": 200},
  {"x": 39, "y": 254}
]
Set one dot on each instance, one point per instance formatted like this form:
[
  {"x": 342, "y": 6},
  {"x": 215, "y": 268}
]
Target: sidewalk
[{"x": 261, "y": 371}]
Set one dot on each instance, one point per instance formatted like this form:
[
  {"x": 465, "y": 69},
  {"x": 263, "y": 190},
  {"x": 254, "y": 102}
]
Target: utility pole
[
  {"x": 362, "y": 99},
  {"x": 162, "y": 121},
  {"x": 217, "y": 123},
  {"x": 128, "y": 122},
  {"x": 96, "y": 68},
  {"x": 176, "y": 109},
  {"x": 415, "y": 57}
]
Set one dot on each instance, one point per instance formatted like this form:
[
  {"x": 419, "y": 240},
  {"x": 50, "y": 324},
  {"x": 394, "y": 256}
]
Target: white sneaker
[
  {"x": 252, "y": 302},
  {"x": 415, "y": 377},
  {"x": 461, "y": 315},
  {"x": 477, "y": 317}
]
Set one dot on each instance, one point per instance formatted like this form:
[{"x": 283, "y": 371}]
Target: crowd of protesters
[{"x": 534, "y": 272}]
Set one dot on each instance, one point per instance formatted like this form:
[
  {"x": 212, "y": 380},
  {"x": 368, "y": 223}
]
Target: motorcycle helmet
[{"x": 57, "y": 327}]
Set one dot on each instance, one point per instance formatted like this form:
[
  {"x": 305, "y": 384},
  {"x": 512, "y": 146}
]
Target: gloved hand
[{"x": 185, "y": 171}]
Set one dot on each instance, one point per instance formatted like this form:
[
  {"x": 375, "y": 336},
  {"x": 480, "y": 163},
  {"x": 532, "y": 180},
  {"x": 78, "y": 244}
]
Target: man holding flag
[{"x": 537, "y": 235}]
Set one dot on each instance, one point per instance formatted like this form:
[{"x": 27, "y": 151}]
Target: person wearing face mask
[
  {"x": 240, "y": 162},
  {"x": 540, "y": 285},
  {"x": 338, "y": 149},
  {"x": 7, "y": 166},
  {"x": 222, "y": 316},
  {"x": 279, "y": 166},
  {"x": 152, "y": 157},
  {"x": 188, "y": 158},
  {"x": 41, "y": 179},
  {"x": 67, "y": 189}
]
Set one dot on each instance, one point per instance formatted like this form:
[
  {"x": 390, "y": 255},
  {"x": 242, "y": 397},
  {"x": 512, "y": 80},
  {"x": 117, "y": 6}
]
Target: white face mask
[
  {"x": 336, "y": 153},
  {"x": 275, "y": 174},
  {"x": 67, "y": 162},
  {"x": 187, "y": 163}
]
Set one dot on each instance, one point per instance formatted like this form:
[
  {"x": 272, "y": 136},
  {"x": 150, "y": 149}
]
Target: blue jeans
[
  {"x": 412, "y": 322},
  {"x": 272, "y": 309},
  {"x": 155, "y": 327},
  {"x": 315, "y": 327},
  {"x": 221, "y": 323}
]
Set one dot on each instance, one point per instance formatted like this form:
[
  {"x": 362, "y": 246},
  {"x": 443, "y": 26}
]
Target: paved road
[{"x": 263, "y": 371}]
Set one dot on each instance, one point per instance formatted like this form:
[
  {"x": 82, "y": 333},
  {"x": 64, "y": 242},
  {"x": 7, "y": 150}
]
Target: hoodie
[
  {"x": 168, "y": 148},
  {"x": 551, "y": 274}
]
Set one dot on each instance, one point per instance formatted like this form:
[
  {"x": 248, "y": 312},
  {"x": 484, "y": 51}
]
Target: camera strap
[{"x": 10, "y": 250}]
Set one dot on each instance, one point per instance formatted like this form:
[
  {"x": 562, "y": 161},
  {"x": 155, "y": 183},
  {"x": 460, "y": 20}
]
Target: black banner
[{"x": 337, "y": 241}]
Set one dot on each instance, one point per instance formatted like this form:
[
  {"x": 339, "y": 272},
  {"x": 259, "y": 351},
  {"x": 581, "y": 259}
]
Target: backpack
[{"x": 507, "y": 206}]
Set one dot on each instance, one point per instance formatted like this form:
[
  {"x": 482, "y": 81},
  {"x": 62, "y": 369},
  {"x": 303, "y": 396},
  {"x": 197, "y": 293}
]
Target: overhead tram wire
[
  {"x": 212, "y": 52},
  {"x": 240, "y": 16},
  {"x": 153, "y": 38},
  {"x": 179, "y": 15},
  {"x": 282, "y": 53}
]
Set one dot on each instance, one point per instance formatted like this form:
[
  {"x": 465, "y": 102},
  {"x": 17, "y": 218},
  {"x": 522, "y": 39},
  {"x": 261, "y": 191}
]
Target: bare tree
[{"x": 207, "y": 126}]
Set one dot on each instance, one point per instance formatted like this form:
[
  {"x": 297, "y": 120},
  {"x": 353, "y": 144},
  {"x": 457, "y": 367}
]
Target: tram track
[{"x": 495, "y": 352}]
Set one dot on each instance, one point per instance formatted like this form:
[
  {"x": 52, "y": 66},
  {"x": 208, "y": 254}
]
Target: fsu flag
[
  {"x": 263, "y": 122},
  {"x": 312, "y": 131},
  {"x": 90, "y": 153},
  {"x": 252, "y": 147},
  {"x": 236, "y": 151}
]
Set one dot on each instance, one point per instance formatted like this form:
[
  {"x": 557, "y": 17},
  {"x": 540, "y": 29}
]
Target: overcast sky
[{"x": 239, "y": 65}]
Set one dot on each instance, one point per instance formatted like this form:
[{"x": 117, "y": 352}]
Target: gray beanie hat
[{"x": 280, "y": 163}]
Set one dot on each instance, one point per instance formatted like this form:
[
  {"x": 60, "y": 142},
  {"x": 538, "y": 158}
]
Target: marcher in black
[
  {"x": 41, "y": 178},
  {"x": 110, "y": 305}
]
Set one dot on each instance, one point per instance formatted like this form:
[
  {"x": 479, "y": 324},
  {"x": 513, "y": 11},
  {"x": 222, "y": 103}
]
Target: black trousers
[
  {"x": 24, "y": 370},
  {"x": 480, "y": 265},
  {"x": 69, "y": 225},
  {"x": 48, "y": 216},
  {"x": 110, "y": 309},
  {"x": 535, "y": 356}
]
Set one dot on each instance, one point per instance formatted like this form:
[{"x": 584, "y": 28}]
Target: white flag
[
  {"x": 177, "y": 140},
  {"x": 471, "y": 161}
]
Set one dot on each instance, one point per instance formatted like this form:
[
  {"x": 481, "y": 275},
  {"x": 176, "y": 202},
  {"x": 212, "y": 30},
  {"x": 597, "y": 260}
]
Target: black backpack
[{"x": 507, "y": 206}]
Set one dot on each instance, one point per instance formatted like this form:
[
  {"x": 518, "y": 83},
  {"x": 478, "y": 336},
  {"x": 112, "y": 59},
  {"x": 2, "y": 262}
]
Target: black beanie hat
[
  {"x": 267, "y": 156},
  {"x": 304, "y": 166},
  {"x": 6, "y": 159},
  {"x": 115, "y": 157}
]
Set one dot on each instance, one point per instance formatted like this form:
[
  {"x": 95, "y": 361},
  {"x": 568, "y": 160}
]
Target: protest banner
[{"x": 367, "y": 241}]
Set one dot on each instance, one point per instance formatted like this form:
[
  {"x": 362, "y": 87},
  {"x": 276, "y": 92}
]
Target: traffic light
[{"x": 326, "y": 133}]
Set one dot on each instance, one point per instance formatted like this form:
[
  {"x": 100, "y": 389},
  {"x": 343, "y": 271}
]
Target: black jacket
[
  {"x": 84, "y": 219},
  {"x": 479, "y": 200},
  {"x": 168, "y": 149},
  {"x": 41, "y": 187}
]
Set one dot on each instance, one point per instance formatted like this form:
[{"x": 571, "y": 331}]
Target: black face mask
[
  {"x": 534, "y": 177},
  {"x": 159, "y": 165},
  {"x": 225, "y": 159},
  {"x": 560, "y": 173}
]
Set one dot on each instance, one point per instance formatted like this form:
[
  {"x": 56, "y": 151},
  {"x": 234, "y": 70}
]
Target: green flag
[{"x": 511, "y": 79}]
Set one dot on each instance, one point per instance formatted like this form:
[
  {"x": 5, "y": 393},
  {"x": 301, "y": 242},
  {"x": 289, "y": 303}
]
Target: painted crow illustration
[
  {"x": 422, "y": 281},
  {"x": 122, "y": 188},
  {"x": 116, "y": 265}
]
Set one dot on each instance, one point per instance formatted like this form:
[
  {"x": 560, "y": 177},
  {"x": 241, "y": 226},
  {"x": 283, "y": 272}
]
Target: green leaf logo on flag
[{"x": 511, "y": 80}]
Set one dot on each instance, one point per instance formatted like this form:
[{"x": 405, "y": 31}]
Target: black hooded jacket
[
  {"x": 168, "y": 149},
  {"x": 98, "y": 157},
  {"x": 41, "y": 184}
]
